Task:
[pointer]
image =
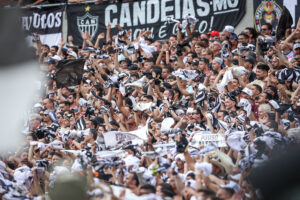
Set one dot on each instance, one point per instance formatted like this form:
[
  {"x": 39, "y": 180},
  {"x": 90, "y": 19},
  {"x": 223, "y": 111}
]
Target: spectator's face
[
  {"x": 242, "y": 39},
  {"x": 167, "y": 95},
  {"x": 62, "y": 107},
  {"x": 216, "y": 66},
  {"x": 220, "y": 115},
  {"x": 87, "y": 87},
  {"x": 233, "y": 41},
  {"x": 85, "y": 55},
  {"x": 202, "y": 66},
  {"x": 248, "y": 33},
  {"x": 216, "y": 46},
  {"x": 275, "y": 62},
  {"x": 129, "y": 182},
  {"x": 45, "y": 49},
  {"x": 60, "y": 118},
  {"x": 53, "y": 50},
  {"x": 88, "y": 124},
  {"x": 204, "y": 36},
  {"x": 261, "y": 113},
  {"x": 189, "y": 58},
  {"x": 229, "y": 104},
  {"x": 46, "y": 118},
  {"x": 148, "y": 66},
  {"x": 262, "y": 98},
  {"x": 123, "y": 64},
  {"x": 34, "y": 123},
  {"x": 296, "y": 51},
  {"x": 55, "y": 160},
  {"x": 235, "y": 84},
  {"x": 248, "y": 65},
  {"x": 196, "y": 116},
  {"x": 261, "y": 74},
  {"x": 223, "y": 36},
  {"x": 100, "y": 131},
  {"x": 198, "y": 49},
  {"x": 283, "y": 46},
  {"x": 157, "y": 133},
  {"x": 212, "y": 79},
  {"x": 47, "y": 104},
  {"x": 158, "y": 191},
  {"x": 165, "y": 73},
  {"x": 206, "y": 55},
  {"x": 157, "y": 45},
  {"x": 24, "y": 157},
  {"x": 270, "y": 52},
  {"x": 254, "y": 90},
  {"x": 265, "y": 30},
  {"x": 172, "y": 40}
]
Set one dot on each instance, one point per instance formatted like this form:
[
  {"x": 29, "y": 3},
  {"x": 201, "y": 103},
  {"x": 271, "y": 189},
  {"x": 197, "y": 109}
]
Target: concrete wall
[{"x": 248, "y": 20}]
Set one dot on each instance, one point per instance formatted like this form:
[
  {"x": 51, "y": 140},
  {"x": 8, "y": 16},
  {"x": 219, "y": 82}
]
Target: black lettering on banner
[
  {"x": 42, "y": 21},
  {"x": 153, "y": 15}
]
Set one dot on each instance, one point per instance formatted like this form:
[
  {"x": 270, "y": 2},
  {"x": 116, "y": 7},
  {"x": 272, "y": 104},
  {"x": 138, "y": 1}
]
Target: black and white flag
[
  {"x": 154, "y": 15},
  {"x": 47, "y": 22}
]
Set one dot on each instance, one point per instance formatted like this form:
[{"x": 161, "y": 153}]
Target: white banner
[
  {"x": 205, "y": 139},
  {"x": 112, "y": 138}
]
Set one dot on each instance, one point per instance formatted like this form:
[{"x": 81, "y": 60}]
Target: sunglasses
[{"x": 264, "y": 29}]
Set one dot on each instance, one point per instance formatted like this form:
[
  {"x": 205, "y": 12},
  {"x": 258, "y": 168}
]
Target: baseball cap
[
  {"x": 247, "y": 91},
  {"x": 133, "y": 67},
  {"x": 56, "y": 57},
  {"x": 180, "y": 156},
  {"x": 72, "y": 53},
  {"x": 214, "y": 33},
  {"x": 233, "y": 37},
  {"x": 296, "y": 46},
  {"x": 189, "y": 110},
  {"x": 229, "y": 29},
  {"x": 218, "y": 60},
  {"x": 51, "y": 61},
  {"x": 38, "y": 105},
  {"x": 250, "y": 60}
]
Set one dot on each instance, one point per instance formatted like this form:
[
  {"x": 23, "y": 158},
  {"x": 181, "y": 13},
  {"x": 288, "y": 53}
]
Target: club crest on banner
[
  {"x": 267, "y": 12},
  {"x": 88, "y": 23}
]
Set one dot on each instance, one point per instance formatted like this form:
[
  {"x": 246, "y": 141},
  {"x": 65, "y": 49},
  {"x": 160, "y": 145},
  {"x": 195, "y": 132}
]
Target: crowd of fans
[{"x": 243, "y": 88}]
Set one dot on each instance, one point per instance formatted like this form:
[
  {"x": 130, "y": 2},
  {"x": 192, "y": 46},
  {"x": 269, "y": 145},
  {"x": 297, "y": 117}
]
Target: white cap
[
  {"x": 247, "y": 91},
  {"x": 189, "y": 110},
  {"x": 179, "y": 112},
  {"x": 180, "y": 156},
  {"x": 218, "y": 60},
  {"x": 296, "y": 46},
  {"x": 38, "y": 105},
  {"x": 56, "y": 57},
  {"x": 72, "y": 53},
  {"x": 229, "y": 29},
  {"x": 201, "y": 86}
]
